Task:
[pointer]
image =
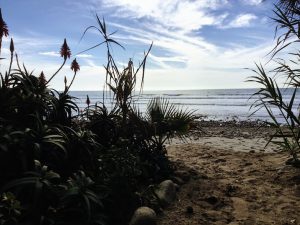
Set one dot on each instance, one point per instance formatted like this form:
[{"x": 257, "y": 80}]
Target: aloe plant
[{"x": 122, "y": 83}]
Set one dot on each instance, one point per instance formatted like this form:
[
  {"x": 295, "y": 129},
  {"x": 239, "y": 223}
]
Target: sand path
[{"x": 226, "y": 184}]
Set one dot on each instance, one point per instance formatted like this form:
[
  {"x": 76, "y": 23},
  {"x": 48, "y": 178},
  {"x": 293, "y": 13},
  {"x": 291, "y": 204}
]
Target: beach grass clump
[
  {"x": 270, "y": 95},
  {"x": 62, "y": 166}
]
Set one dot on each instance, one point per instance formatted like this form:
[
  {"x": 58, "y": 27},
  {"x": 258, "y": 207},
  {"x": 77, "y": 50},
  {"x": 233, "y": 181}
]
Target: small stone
[
  {"x": 143, "y": 216},
  {"x": 166, "y": 192},
  {"x": 252, "y": 151}
]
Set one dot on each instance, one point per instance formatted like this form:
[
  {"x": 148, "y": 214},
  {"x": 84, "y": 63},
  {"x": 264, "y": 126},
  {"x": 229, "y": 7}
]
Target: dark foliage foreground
[{"x": 59, "y": 166}]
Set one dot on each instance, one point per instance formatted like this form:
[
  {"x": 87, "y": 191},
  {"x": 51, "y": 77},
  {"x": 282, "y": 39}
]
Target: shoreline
[{"x": 233, "y": 135}]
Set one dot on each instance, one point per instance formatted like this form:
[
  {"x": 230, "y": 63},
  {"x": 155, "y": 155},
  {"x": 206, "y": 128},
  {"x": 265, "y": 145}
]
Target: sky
[{"x": 197, "y": 44}]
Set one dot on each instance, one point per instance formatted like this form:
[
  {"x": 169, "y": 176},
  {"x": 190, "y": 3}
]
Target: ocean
[{"x": 210, "y": 104}]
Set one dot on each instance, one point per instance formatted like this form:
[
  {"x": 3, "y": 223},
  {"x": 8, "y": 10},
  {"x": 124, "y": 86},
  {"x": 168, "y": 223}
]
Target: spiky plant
[
  {"x": 166, "y": 120},
  {"x": 122, "y": 83},
  {"x": 269, "y": 95}
]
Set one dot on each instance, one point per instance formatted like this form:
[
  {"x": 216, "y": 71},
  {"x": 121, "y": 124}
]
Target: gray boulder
[
  {"x": 166, "y": 192},
  {"x": 143, "y": 216}
]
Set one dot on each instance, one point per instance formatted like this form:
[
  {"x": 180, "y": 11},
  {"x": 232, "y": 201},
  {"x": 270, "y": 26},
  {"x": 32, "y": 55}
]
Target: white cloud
[
  {"x": 252, "y": 2},
  {"x": 242, "y": 20},
  {"x": 90, "y": 63},
  {"x": 182, "y": 14},
  {"x": 5, "y": 51},
  {"x": 56, "y": 54},
  {"x": 51, "y": 53},
  {"x": 170, "y": 25},
  {"x": 206, "y": 65},
  {"x": 84, "y": 56},
  {"x": 163, "y": 62},
  {"x": 163, "y": 38}
]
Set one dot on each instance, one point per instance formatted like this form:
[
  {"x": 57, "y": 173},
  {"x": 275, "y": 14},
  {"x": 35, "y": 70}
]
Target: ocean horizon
[{"x": 207, "y": 104}]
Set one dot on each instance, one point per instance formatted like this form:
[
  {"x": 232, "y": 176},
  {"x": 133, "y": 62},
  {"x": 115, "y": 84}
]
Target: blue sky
[{"x": 198, "y": 44}]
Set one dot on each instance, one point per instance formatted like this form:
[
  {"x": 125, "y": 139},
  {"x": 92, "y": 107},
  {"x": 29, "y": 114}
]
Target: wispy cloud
[
  {"x": 52, "y": 53},
  {"x": 178, "y": 14},
  {"x": 168, "y": 62},
  {"x": 194, "y": 46},
  {"x": 180, "y": 49},
  {"x": 90, "y": 63},
  {"x": 56, "y": 54},
  {"x": 242, "y": 20},
  {"x": 84, "y": 56},
  {"x": 252, "y": 2}
]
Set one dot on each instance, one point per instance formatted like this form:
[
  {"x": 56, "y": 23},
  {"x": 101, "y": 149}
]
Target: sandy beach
[{"x": 226, "y": 176}]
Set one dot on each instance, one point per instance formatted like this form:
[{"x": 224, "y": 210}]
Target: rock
[
  {"x": 166, "y": 192},
  {"x": 143, "y": 216},
  {"x": 251, "y": 151}
]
